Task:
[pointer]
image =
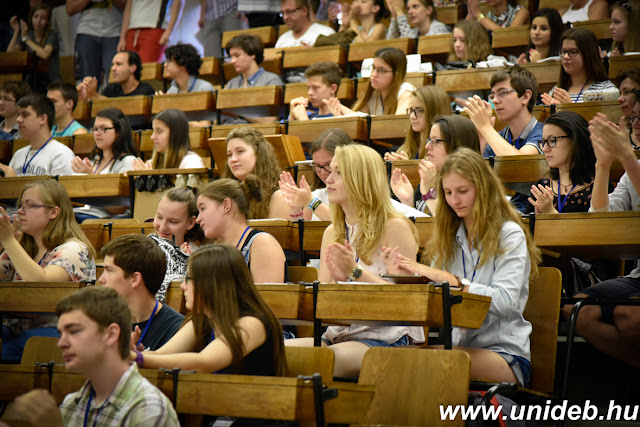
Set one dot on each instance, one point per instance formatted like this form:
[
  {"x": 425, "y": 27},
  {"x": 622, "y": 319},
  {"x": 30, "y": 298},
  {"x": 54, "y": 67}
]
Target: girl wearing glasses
[
  {"x": 171, "y": 147},
  {"x": 623, "y": 13},
  {"x": 546, "y": 36},
  {"x": 354, "y": 247},
  {"x": 628, "y": 81},
  {"x": 447, "y": 134},
  {"x": 230, "y": 329},
  {"x": 582, "y": 74},
  {"x": 480, "y": 244},
  {"x": 114, "y": 152},
  {"x": 223, "y": 207},
  {"x": 425, "y": 103},
  {"x": 572, "y": 162},
  {"x": 51, "y": 247},
  {"x": 249, "y": 153}
]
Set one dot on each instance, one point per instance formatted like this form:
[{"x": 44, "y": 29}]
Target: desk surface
[{"x": 41, "y": 297}]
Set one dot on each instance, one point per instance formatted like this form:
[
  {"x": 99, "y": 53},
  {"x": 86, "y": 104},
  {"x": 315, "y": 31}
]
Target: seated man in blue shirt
[{"x": 323, "y": 81}]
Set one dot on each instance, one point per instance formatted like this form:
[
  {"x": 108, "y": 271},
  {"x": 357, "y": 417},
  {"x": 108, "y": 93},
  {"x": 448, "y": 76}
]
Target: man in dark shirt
[
  {"x": 126, "y": 72},
  {"x": 135, "y": 266}
]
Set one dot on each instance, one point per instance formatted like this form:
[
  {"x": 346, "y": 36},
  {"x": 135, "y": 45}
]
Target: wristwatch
[
  {"x": 480, "y": 17},
  {"x": 462, "y": 282},
  {"x": 355, "y": 274},
  {"x": 24, "y": 39}
]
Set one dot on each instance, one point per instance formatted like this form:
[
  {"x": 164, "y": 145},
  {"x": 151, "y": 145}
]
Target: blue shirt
[{"x": 527, "y": 137}]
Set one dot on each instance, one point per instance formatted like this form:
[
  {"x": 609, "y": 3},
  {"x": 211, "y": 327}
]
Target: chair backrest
[
  {"x": 412, "y": 384},
  {"x": 309, "y": 361},
  {"x": 302, "y": 274},
  {"x": 41, "y": 349},
  {"x": 175, "y": 297},
  {"x": 543, "y": 311}
]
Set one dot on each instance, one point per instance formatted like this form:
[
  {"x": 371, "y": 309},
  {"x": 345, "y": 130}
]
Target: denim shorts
[
  {"x": 520, "y": 366},
  {"x": 377, "y": 343}
]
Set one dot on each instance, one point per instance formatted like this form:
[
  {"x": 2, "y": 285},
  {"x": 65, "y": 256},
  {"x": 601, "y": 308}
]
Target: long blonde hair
[
  {"x": 490, "y": 211},
  {"x": 476, "y": 42},
  {"x": 365, "y": 180},
  {"x": 59, "y": 229},
  {"x": 435, "y": 102},
  {"x": 397, "y": 60}
]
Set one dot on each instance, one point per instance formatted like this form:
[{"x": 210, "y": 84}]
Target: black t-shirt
[
  {"x": 115, "y": 89},
  {"x": 165, "y": 324}
]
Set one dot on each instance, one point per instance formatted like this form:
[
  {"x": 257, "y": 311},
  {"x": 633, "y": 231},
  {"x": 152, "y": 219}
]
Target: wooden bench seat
[
  {"x": 16, "y": 62},
  {"x": 599, "y": 27},
  {"x": 268, "y": 35},
  {"x": 346, "y": 91},
  {"x": 434, "y": 48},
  {"x": 307, "y": 131},
  {"x": 138, "y": 105},
  {"x": 297, "y": 57},
  {"x": 619, "y": 63},
  {"x": 363, "y": 50},
  {"x": 187, "y": 102},
  {"x": 467, "y": 79},
  {"x": 249, "y": 97}
]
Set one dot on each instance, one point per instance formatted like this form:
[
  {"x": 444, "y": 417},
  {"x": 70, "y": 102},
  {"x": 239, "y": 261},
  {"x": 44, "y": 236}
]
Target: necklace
[{"x": 564, "y": 186}]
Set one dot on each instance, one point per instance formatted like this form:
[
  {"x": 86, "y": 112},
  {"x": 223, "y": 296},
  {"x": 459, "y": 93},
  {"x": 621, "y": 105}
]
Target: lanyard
[
  {"x": 96, "y": 171},
  {"x": 86, "y": 412},
  {"x": 65, "y": 129},
  {"x": 525, "y": 133},
  {"x": 464, "y": 266},
  {"x": 561, "y": 202},
  {"x": 26, "y": 164},
  {"x": 192, "y": 84},
  {"x": 146, "y": 328},
  {"x": 241, "y": 237},
  {"x": 346, "y": 232},
  {"x": 41, "y": 259},
  {"x": 580, "y": 93}
]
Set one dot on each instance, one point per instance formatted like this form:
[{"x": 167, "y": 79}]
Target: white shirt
[
  {"x": 309, "y": 37},
  {"x": 53, "y": 159}
]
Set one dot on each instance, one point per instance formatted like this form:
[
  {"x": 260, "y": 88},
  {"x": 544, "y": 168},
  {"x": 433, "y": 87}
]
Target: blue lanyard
[
  {"x": 96, "y": 171},
  {"x": 238, "y": 244},
  {"x": 346, "y": 233},
  {"x": 26, "y": 164},
  {"x": 464, "y": 266},
  {"x": 146, "y": 328},
  {"x": 561, "y": 202},
  {"x": 86, "y": 412},
  {"x": 40, "y": 262},
  {"x": 192, "y": 84},
  {"x": 65, "y": 129},
  {"x": 578, "y": 98}
]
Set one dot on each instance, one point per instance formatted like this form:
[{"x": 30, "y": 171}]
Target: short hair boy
[
  {"x": 323, "y": 82},
  {"x": 10, "y": 94},
  {"x": 64, "y": 96}
]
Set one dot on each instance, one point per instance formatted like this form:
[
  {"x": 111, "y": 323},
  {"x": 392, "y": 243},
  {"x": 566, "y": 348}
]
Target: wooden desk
[
  {"x": 390, "y": 129},
  {"x": 187, "y": 102},
  {"x": 469, "y": 79},
  {"x": 419, "y": 305},
  {"x": 363, "y": 50},
  {"x": 546, "y": 73},
  {"x": 12, "y": 187},
  {"x": 287, "y": 148},
  {"x": 297, "y": 57},
  {"x": 6, "y": 151},
  {"x": 20, "y": 379},
  {"x": 288, "y": 301},
  {"x": 418, "y": 79},
  {"x": 435, "y": 47},
  {"x": 82, "y": 112},
  {"x": 520, "y": 172},
  {"x": 448, "y": 14},
  {"x": 426, "y": 227},
  {"x": 510, "y": 40},
  {"x": 611, "y": 109},
  {"x": 278, "y": 228},
  {"x": 346, "y": 91},
  {"x": 221, "y": 131},
  {"x": 16, "y": 62},
  {"x": 38, "y": 297},
  {"x": 307, "y": 131},
  {"x": 111, "y": 189},
  {"x": 599, "y": 27},
  {"x": 619, "y": 63},
  {"x": 249, "y": 97},
  {"x": 603, "y": 235},
  {"x": 268, "y": 35},
  {"x": 138, "y": 105},
  {"x": 273, "y": 65}
]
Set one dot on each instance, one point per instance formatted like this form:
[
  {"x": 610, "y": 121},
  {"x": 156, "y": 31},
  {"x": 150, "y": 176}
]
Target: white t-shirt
[
  {"x": 375, "y": 103},
  {"x": 191, "y": 161},
  {"x": 287, "y": 39},
  {"x": 54, "y": 159}
]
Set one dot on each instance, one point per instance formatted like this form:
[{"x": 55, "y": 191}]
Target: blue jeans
[{"x": 95, "y": 55}]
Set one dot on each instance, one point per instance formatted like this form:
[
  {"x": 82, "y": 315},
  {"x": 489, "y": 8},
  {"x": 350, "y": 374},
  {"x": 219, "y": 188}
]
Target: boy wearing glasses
[
  {"x": 135, "y": 267},
  {"x": 10, "y": 94},
  {"x": 302, "y": 32},
  {"x": 323, "y": 81},
  {"x": 44, "y": 155},
  {"x": 513, "y": 92}
]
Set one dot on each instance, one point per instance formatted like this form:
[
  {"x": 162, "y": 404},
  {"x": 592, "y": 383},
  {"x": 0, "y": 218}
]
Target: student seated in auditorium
[
  {"x": 613, "y": 329},
  {"x": 51, "y": 248},
  {"x": 387, "y": 93},
  {"x": 500, "y": 14},
  {"x": 545, "y": 36},
  {"x": 175, "y": 231},
  {"x": 584, "y": 10},
  {"x": 247, "y": 53},
  {"x": 364, "y": 17},
  {"x": 126, "y": 71},
  {"x": 480, "y": 244},
  {"x": 624, "y": 14},
  {"x": 135, "y": 267},
  {"x": 94, "y": 340},
  {"x": 302, "y": 30},
  {"x": 323, "y": 82},
  {"x": 627, "y": 81},
  {"x": 64, "y": 96},
  {"x": 583, "y": 77},
  {"x": 363, "y": 224},
  {"x": 420, "y": 19},
  {"x": 10, "y": 94},
  {"x": 44, "y": 155},
  {"x": 171, "y": 146}
]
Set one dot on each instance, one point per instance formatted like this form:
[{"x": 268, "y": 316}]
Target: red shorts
[{"x": 144, "y": 41}]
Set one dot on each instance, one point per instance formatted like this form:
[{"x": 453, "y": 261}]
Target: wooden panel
[
  {"x": 273, "y": 65},
  {"x": 104, "y": 185},
  {"x": 83, "y": 144},
  {"x": 599, "y": 27},
  {"x": 268, "y": 35},
  {"x": 12, "y": 187},
  {"x": 287, "y": 148},
  {"x": 511, "y": 37},
  {"x": 296, "y": 57},
  {"x": 191, "y": 101},
  {"x": 288, "y": 301},
  {"x": 82, "y": 111},
  {"x": 6, "y": 151},
  {"x": 150, "y": 71},
  {"x": 554, "y": 4},
  {"x": 360, "y": 51},
  {"x": 391, "y": 129},
  {"x": 312, "y": 237},
  {"x": 611, "y": 109},
  {"x": 221, "y": 131},
  {"x": 20, "y": 379},
  {"x": 307, "y": 131},
  {"x": 94, "y": 234},
  {"x": 426, "y": 227},
  {"x": 603, "y": 235},
  {"x": 397, "y": 305},
  {"x": 10, "y": 78},
  {"x": 138, "y": 105},
  {"x": 175, "y": 297},
  {"x": 469, "y": 79},
  {"x": 346, "y": 91},
  {"x": 210, "y": 70},
  {"x": 15, "y": 62},
  {"x": 434, "y": 45},
  {"x": 546, "y": 73},
  {"x": 250, "y": 96},
  {"x": 520, "y": 172},
  {"x": 619, "y": 63},
  {"x": 448, "y": 14},
  {"x": 40, "y": 297},
  {"x": 278, "y": 228}
]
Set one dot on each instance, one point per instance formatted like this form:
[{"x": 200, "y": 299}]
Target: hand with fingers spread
[
  {"x": 401, "y": 187},
  {"x": 80, "y": 165},
  {"x": 340, "y": 260},
  {"x": 428, "y": 174},
  {"x": 296, "y": 197},
  {"x": 560, "y": 96},
  {"x": 8, "y": 226},
  {"x": 479, "y": 112},
  {"x": 135, "y": 337},
  {"x": 335, "y": 106},
  {"x": 391, "y": 260},
  {"x": 36, "y": 408},
  {"x": 141, "y": 165},
  {"x": 542, "y": 199},
  {"x": 391, "y": 156},
  {"x": 610, "y": 139}
]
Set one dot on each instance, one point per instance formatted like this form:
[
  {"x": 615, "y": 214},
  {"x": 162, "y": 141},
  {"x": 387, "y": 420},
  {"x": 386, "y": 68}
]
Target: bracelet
[
  {"x": 314, "y": 203},
  {"x": 139, "y": 358},
  {"x": 431, "y": 194},
  {"x": 24, "y": 38},
  {"x": 296, "y": 215}
]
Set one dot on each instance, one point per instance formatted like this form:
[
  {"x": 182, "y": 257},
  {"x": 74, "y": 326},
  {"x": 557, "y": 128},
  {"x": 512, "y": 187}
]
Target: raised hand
[
  {"x": 479, "y": 111},
  {"x": 428, "y": 174},
  {"x": 79, "y": 165},
  {"x": 391, "y": 156},
  {"x": 401, "y": 187},
  {"x": 340, "y": 260},
  {"x": 542, "y": 199}
]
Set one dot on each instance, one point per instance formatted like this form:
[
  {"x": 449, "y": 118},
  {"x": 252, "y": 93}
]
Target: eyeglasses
[
  {"x": 417, "y": 111},
  {"x": 552, "y": 141},
  {"x": 187, "y": 278},
  {"x": 101, "y": 129},
  {"x": 380, "y": 71},
  {"x": 7, "y": 99},
  {"x": 434, "y": 141},
  {"x": 571, "y": 52},
  {"x": 318, "y": 167},
  {"x": 30, "y": 206},
  {"x": 290, "y": 12},
  {"x": 500, "y": 94}
]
